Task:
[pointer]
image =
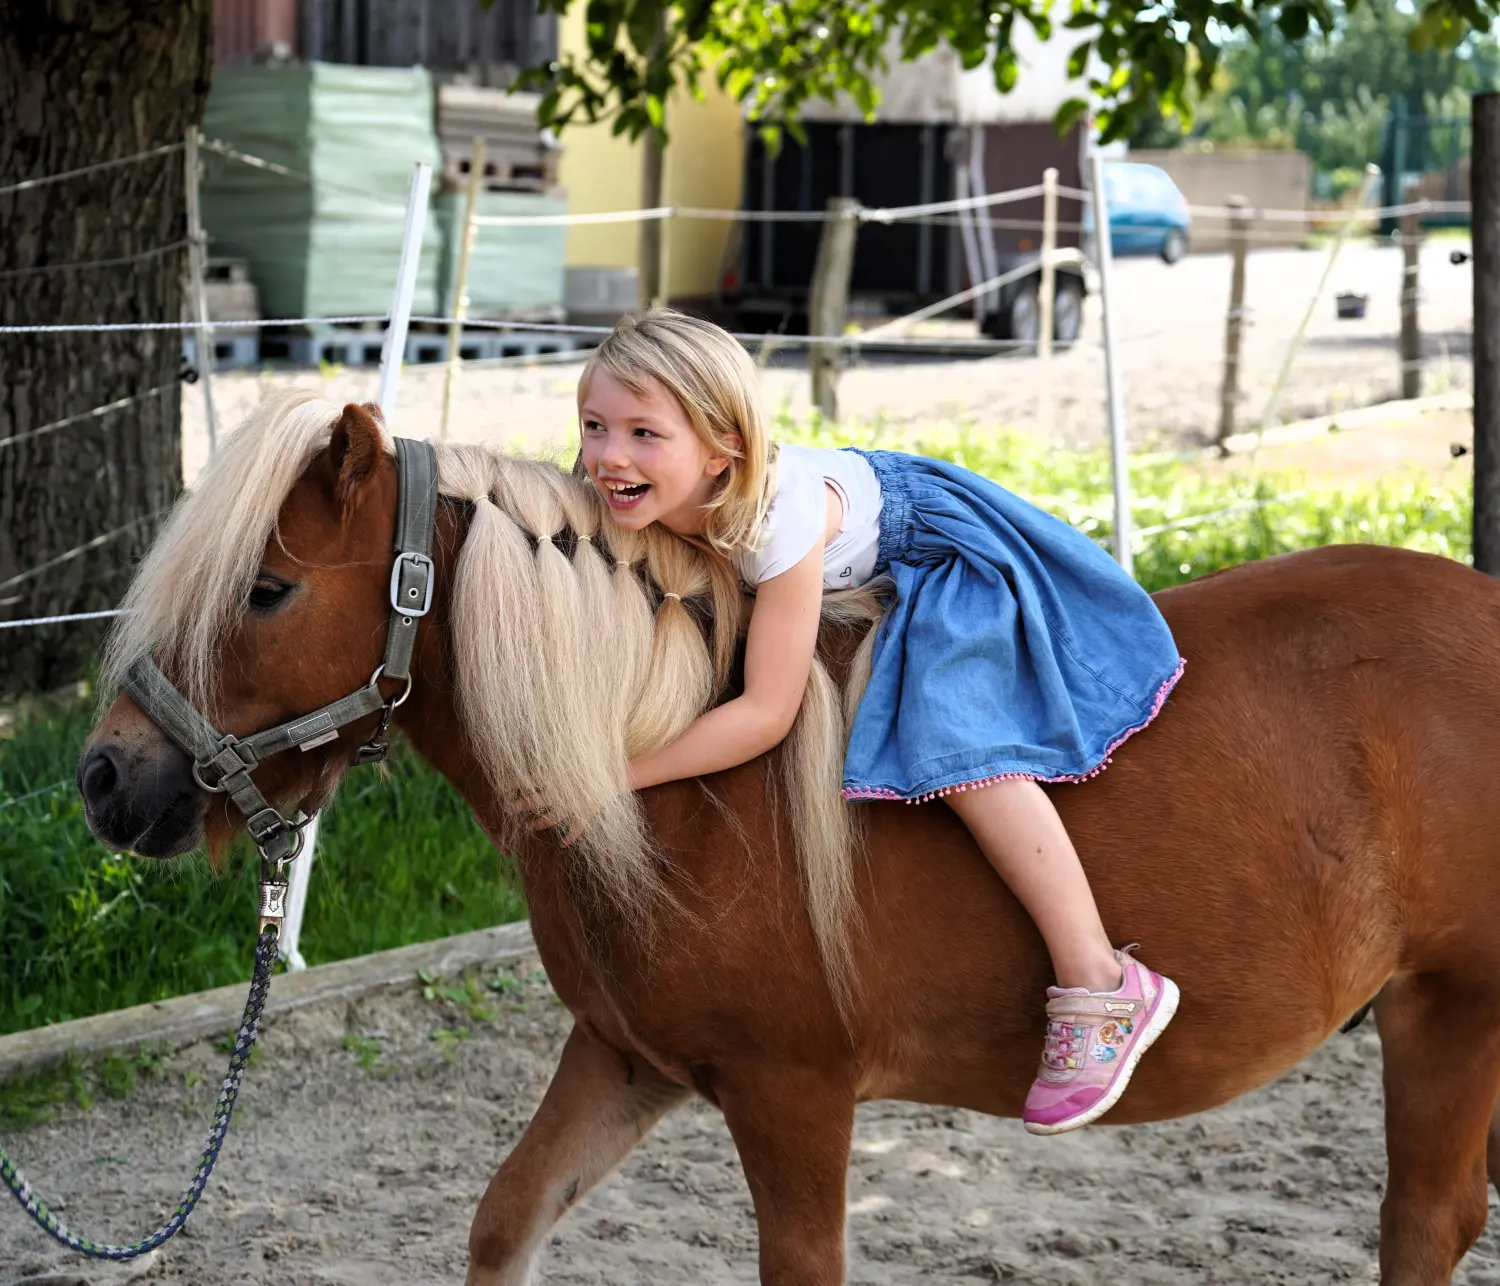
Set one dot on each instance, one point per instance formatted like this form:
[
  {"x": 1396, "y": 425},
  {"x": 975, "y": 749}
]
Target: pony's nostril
[{"x": 100, "y": 777}]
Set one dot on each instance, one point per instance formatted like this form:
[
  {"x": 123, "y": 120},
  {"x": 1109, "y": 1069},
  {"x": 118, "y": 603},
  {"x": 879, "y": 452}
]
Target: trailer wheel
[
  {"x": 1067, "y": 310},
  {"x": 1019, "y": 317}
]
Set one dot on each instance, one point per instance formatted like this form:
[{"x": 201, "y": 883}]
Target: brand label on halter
[{"x": 317, "y": 731}]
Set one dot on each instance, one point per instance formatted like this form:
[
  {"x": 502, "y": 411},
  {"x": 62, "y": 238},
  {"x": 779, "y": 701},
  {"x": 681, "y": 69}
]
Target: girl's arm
[{"x": 778, "y": 659}]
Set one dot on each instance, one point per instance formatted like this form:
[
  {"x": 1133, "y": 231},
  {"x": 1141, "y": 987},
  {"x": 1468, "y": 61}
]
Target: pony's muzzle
[{"x": 144, "y": 801}]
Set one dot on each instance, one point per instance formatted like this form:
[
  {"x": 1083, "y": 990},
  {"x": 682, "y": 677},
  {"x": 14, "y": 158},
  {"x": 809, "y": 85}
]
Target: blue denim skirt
[{"x": 1016, "y": 646}]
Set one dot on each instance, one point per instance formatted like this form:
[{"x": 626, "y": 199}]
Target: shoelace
[{"x": 1064, "y": 1041}]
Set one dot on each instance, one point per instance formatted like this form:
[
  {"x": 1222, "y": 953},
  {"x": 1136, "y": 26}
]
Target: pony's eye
[{"x": 267, "y": 594}]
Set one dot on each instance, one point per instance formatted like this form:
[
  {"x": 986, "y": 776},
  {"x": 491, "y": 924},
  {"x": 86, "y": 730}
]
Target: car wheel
[{"x": 1174, "y": 246}]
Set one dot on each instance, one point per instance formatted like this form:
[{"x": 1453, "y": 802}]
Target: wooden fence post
[
  {"x": 459, "y": 304},
  {"x": 1239, "y": 245},
  {"x": 1484, "y": 185},
  {"x": 203, "y": 340},
  {"x": 1411, "y": 330},
  {"x": 829, "y": 305}
]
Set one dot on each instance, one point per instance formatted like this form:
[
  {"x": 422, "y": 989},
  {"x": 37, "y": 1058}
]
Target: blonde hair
[
  {"x": 543, "y": 589},
  {"x": 714, "y": 380}
]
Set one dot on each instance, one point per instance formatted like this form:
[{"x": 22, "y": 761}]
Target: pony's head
[{"x": 263, "y": 599}]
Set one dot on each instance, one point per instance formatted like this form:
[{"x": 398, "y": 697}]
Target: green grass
[
  {"x": 34, "y": 1099},
  {"x": 83, "y": 930},
  {"x": 400, "y": 861}
]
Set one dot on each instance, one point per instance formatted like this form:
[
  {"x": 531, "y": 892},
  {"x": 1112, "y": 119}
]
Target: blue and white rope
[{"x": 244, "y": 1041}]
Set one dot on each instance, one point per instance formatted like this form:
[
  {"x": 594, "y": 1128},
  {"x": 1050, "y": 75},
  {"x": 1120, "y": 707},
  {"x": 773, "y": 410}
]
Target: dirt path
[
  {"x": 336, "y": 1175},
  {"x": 1171, "y": 325}
]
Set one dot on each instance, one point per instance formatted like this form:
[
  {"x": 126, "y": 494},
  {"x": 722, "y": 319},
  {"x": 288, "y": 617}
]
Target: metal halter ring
[
  {"x": 405, "y": 692},
  {"x": 218, "y": 789}
]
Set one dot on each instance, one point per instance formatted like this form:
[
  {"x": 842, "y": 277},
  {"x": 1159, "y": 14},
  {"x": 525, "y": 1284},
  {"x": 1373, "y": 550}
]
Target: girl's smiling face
[{"x": 645, "y": 457}]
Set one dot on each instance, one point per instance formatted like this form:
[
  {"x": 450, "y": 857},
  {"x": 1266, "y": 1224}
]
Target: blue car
[{"x": 1148, "y": 215}]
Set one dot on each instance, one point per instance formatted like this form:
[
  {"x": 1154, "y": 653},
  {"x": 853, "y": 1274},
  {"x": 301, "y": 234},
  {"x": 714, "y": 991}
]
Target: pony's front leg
[
  {"x": 597, "y": 1108},
  {"x": 793, "y": 1128}
]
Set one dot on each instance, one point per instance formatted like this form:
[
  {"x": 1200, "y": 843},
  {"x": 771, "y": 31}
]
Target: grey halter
[{"x": 223, "y": 764}]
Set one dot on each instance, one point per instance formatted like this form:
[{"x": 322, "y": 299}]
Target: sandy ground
[
  {"x": 1171, "y": 325},
  {"x": 338, "y": 1176}
]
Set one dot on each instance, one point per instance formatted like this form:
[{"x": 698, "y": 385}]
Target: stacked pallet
[
  {"x": 518, "y": 156},
  {"x": 325, "y": 239}
]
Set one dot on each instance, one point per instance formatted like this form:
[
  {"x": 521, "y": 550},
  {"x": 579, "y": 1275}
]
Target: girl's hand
[
  {"x": 778, "y": 658},
  {"x": 527, "y": 805}
]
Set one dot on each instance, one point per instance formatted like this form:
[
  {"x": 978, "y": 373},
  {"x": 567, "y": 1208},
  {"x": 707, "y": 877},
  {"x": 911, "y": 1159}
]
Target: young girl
[{"x": 1016, "y": 650}]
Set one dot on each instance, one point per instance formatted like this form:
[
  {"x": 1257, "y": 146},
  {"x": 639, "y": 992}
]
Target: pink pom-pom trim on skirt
[{"x": 881, "y": 792}]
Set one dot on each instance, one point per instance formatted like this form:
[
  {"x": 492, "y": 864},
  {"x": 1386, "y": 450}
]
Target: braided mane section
[{"x": 580, "y": 645}]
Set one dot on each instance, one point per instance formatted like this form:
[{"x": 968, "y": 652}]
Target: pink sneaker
[{"x": 1094, "y": 1041}]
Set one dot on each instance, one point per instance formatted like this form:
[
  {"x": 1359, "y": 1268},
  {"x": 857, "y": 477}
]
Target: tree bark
[{"x": 81, "y": 82}]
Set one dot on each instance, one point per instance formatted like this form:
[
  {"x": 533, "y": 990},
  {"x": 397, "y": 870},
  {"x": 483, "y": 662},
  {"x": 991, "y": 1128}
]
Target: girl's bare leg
[{"x": 1021, "y": 834}]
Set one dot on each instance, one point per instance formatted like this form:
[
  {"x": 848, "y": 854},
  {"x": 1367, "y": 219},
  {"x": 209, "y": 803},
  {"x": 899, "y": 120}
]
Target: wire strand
[
  {"x": 64, "y": 619},
  {"x": 26, "y": 184},
  {"x": 155, "y": 253},
  {"x": 6, "y": 804},
  {"x": 79, "y": 550},
  {"x": 117, "y": 405}
]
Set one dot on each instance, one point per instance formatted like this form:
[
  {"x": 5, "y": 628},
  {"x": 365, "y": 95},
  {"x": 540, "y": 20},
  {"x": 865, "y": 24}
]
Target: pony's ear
[{"x": 354, "y": 451}]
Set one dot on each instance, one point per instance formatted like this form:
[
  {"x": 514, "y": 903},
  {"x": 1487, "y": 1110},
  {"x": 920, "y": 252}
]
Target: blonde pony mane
[{"x": 577, "y": 646}]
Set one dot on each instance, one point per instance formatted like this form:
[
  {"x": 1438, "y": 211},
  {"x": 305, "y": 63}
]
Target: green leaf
[
  {"x": 1294, "y": 21},
  {"x": 1069, "y": 114},
  {"x": 644, "y": 26},
  {"x": 1078, "y": 60},
  {"x": 1006, "y": 72}
]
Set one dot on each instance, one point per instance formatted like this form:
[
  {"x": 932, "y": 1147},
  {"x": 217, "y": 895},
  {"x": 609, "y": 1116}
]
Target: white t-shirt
[{"x": 799, "y": 512}]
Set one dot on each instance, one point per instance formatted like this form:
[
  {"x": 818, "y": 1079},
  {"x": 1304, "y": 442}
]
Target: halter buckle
[
  {"x": 279, "y": 840},
  {"x": 232, "y": 757},
  {"x": 406, "y": 591}
]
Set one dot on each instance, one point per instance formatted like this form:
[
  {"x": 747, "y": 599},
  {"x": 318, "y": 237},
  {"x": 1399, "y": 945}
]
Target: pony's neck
[
  {"x": 431, "y": 720},
  {"x": 562, "y": 924}
]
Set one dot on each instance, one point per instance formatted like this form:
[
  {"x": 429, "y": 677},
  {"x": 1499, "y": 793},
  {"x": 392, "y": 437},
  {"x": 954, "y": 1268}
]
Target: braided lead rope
[{"x": 260, "y": 986}]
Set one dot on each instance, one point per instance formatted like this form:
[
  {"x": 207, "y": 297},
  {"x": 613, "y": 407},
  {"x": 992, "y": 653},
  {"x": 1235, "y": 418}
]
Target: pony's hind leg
[
  {"x": 597, "y": 1108},
  {"x": 1440, "y": 1042},
  {"x": 793, "y": 1129}
]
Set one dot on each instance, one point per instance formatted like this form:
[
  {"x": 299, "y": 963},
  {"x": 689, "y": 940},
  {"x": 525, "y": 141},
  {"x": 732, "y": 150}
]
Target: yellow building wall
[{"x": 704, "y": 166}]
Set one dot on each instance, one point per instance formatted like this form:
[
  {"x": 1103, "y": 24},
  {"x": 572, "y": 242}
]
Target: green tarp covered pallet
[
  {"x": 331, "y": 245},
  {"x": 513, "y": 271}
]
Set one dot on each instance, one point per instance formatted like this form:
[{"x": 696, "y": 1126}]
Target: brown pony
[{"x": 1312, "y": 822}]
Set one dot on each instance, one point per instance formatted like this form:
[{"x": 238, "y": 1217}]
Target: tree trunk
[{"x": 81, "y": 82}]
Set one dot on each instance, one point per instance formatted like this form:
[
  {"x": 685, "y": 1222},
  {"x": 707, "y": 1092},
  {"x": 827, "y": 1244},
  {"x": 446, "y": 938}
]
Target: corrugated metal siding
[
  {"x": 441, "y": 35},
  {"x": 880, "y": 165},
  {"x": 1014, "y": 157}
]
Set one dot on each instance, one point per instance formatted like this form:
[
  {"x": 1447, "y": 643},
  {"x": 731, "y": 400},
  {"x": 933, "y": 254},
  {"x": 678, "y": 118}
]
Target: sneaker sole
[{"x": 1166, "y": 1008}]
